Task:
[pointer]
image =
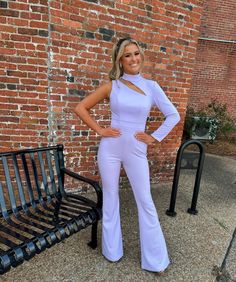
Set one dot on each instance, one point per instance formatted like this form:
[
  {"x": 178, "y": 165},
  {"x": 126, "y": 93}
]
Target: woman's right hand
[{"x": 109, "y": 132}]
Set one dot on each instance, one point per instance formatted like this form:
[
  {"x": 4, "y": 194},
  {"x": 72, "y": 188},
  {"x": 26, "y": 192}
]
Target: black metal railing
[{"x": 179, "y": 158}]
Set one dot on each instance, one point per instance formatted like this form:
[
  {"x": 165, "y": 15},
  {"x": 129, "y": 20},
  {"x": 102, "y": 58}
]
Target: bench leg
[
  {"x": 94, "y": 242},
  {"x": 5, "y": 264}
]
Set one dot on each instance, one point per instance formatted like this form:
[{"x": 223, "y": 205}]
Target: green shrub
[{"x": 214, "y": 116}]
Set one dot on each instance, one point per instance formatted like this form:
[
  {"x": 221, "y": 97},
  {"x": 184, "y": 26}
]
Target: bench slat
[
  {"x": 9, "y": 185},
  {"x": 3, "y": 203},
  {"x": 60, "y": 173},
  {"x": 19, "y": 183},
  {"x": 28, "y": 182},
  {"x": 42, "y": 167},
  {"x": 52, "y": 174},
  {"x": 35, "y": 174}
]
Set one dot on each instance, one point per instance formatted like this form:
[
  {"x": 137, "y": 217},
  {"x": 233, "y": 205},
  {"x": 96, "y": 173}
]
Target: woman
[{"x": 125, "y": 142}]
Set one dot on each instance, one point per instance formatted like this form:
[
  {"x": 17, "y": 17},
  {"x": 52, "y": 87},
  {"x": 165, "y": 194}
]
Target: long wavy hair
[{"x": 118, "y": 49}]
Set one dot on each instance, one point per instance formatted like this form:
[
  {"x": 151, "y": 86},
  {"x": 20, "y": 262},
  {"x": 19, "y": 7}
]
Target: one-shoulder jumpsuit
[{"x": 129, "y": 113}]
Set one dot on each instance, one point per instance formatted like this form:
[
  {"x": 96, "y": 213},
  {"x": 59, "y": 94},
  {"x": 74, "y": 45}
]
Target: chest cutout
[{"x": 132, "y": 86}]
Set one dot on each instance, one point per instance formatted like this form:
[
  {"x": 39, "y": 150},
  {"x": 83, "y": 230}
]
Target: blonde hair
[{"x": 118, "y": 49}]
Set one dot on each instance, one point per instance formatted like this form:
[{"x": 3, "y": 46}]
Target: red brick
[
  {"x": 60, "y": 14},
  {"x": 17, "y": 22},
  {"x": 9, "y": 119},
  {"x": 29, "y": 108},
  {"x": 9, "y": 13},
  {"x": 18, "y": 6},
  {"x": 39, "y": 24},
  {"x": 6, "y": 29},
  {"x": 7, "y": 51},
  {"x": 55, "y": 5},
  {"x": 29, "y": 31},
  {"x": 3, "y": 20},
  {"x": 22, "y": 38},
  {"x": 39, "y": 9}
]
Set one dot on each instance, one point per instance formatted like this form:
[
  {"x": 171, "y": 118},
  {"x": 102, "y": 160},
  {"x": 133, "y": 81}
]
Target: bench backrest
[{"x": 30, "y": 176}]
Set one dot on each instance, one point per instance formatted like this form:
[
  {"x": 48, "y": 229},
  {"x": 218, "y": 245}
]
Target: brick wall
[
  {"x": 214, "y": 74},
  {"x": 54, "y": 53}
]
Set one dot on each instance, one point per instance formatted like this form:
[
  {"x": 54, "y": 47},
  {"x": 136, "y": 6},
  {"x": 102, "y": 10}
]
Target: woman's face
[{"x": 131, "y": 59}]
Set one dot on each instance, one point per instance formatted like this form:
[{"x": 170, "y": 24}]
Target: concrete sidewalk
[{"x": 201, "y": 246}]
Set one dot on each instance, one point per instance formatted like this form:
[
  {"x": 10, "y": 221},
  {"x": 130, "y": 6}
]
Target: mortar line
[{"x": 49, "y": 68}]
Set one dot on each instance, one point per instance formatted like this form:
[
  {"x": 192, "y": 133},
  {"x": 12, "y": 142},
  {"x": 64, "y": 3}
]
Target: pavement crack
[
  {"x": 221, "y": 272},
  {"x": 221, "y": 275},
  {"x": 221, "y": 224}
]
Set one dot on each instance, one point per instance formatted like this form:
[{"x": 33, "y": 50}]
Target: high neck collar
[{"x": 132, "y": 77}]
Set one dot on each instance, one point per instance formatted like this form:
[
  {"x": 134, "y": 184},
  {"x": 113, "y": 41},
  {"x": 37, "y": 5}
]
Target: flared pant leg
[
  {"x": 109, "y": 168},
  {"x": 154, "y": 255}
]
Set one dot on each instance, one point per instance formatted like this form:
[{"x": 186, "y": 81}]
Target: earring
[{"x": 120, "y": 65}]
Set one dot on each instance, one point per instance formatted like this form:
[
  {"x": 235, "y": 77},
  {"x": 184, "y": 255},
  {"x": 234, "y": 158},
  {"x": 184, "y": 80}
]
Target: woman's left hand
[{"x": 144, "y": 137}]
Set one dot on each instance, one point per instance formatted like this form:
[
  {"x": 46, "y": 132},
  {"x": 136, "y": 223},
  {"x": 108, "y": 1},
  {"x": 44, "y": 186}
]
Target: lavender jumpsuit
[{"x": 129, "y": 113}]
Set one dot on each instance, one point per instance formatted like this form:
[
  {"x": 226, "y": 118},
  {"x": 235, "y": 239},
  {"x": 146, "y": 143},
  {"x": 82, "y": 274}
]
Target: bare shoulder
[
  {"x": 105, "y": 89},
  {"x": 97, "y": 96}
]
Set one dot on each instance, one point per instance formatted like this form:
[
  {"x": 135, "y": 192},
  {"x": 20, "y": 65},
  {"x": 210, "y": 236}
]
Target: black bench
[{"x": 36, "y": 212}]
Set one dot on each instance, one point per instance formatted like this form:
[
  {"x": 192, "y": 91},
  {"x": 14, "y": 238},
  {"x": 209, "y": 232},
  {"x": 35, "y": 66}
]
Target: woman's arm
[
  {"x": 171, "y": 114},
  {"x": 82, "y": 110},
  {"x": 172, "y": 117}
]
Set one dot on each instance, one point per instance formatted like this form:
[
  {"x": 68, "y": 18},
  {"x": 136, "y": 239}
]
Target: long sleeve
[{"x": 172, "y": 116}]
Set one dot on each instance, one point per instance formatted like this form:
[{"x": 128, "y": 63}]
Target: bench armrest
[{"x": 93, "y": 183}]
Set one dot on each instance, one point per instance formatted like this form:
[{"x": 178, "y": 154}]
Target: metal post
[{"x": 192, "y": 210}]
